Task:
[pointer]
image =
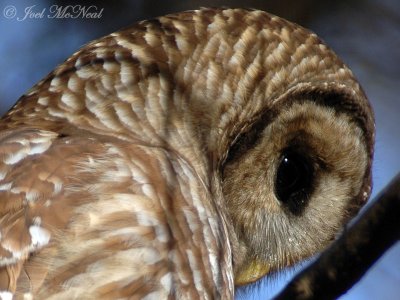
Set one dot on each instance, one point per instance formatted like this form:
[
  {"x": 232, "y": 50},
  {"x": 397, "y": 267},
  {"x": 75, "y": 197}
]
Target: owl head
[{"x": 295, "y": 145}]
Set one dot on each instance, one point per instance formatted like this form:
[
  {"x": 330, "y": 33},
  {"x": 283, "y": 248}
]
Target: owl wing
[{"x": 93, "y": 217}]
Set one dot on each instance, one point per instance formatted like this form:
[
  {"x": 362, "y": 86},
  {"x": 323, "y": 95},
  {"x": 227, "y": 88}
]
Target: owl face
[{"x": 289, "y": 184}]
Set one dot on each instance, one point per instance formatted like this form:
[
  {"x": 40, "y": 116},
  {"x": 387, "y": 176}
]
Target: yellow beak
[{"x": 251, "y": 273}]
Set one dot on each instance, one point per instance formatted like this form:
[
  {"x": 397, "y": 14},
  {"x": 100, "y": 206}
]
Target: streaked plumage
[{"x": 145, "y": 165}]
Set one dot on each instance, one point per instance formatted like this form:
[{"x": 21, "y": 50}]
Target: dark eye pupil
[{"x": 294, "y": 181}]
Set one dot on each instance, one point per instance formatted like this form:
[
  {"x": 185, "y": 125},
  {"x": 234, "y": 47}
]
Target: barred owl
[{"x": 179, "y": 158}]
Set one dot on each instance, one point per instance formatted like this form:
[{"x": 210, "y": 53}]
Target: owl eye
[{"x": 294, "y": 180}]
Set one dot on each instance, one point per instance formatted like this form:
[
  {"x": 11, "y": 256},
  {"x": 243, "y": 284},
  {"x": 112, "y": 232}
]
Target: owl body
[{"x": 154, "y": 161}]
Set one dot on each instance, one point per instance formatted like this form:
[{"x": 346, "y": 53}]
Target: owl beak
[{"x": 251, "y": 273}]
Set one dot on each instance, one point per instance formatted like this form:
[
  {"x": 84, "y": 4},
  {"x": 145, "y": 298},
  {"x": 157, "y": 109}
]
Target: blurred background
[{"x": 365, "y": 34}]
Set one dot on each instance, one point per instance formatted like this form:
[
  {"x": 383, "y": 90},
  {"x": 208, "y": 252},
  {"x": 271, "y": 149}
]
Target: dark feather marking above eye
[
  {"x": 250, "y": 138},
  {"x": 345, "y": 103}
]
